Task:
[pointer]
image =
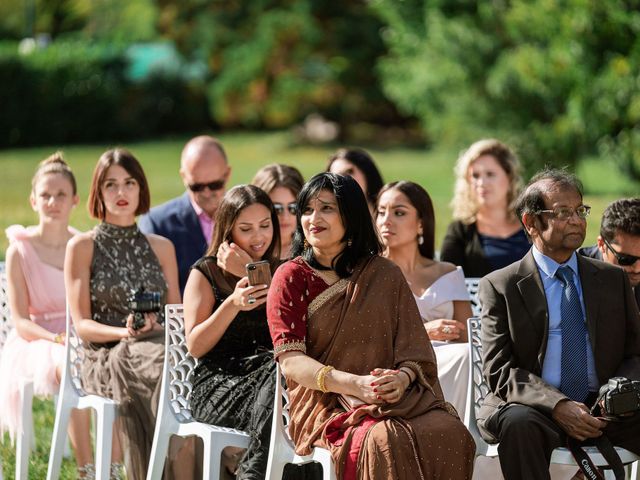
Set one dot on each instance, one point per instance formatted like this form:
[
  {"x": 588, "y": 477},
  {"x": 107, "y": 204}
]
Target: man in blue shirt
[{"x": 555, "y": 326}]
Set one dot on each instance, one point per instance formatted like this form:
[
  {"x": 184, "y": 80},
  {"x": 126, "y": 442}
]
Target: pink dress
[{"x": 36, "y": 361}]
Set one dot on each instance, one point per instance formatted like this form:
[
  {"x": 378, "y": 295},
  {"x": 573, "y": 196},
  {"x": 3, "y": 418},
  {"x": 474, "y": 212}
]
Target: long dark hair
[
  {"x": 421, "y": 201},
  {"x": 363, "y": 161},
  {"x": 234, "y": 201},
  {"x": 360, "y": 234}
]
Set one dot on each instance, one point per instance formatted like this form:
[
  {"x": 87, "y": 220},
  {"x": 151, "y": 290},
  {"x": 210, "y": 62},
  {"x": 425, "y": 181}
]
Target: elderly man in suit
[
  {"x": 188, "y": 220},
  {"x": 619, "y": 240},
  {"x": 555, "y": 327}
]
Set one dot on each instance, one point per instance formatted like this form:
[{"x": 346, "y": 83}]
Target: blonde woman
[{"x": 486, "y": 234}]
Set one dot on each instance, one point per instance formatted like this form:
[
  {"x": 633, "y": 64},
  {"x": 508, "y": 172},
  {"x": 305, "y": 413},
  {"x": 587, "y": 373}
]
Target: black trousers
[{"x": 528, "y": 438}]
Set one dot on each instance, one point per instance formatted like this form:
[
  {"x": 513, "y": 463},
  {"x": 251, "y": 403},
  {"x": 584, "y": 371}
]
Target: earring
[
  {"x": 349, "y": 242},
  {"x": 420, "y": 239},
  {"x": 305, "y": 244}
]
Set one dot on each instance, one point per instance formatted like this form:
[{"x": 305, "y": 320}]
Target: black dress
[
  {"x": 479, "y": 254},
  {"x": 234, "y": 383}
]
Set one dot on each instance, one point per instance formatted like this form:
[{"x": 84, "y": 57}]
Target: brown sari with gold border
[{"x": 369, "y": 320}]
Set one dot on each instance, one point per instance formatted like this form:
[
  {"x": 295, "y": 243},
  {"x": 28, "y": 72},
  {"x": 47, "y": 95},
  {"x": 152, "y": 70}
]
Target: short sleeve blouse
[{"x": 294, "y": 286}]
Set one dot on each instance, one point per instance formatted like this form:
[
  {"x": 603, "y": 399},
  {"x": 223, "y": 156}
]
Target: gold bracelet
[
  {"x": 57, "y": 338},
  {"x": 320, "y": 377}
]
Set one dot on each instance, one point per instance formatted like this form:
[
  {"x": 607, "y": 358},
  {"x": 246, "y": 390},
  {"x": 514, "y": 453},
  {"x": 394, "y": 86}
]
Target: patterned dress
[
  {"x": 128, "y": 371},
  {"x": 234, "y": 383}
]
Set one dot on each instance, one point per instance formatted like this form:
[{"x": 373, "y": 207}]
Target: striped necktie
[{"x": 574, "y": 379}]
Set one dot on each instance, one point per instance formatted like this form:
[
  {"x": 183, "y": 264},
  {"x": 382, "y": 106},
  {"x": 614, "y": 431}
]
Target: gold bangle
[{"x": 320, "y": 377}]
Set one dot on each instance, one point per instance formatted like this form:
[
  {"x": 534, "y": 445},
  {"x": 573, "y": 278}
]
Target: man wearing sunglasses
[
  {"x": 619, "y": 240},
  {"x": 555, "y": 327},
  {"x": 188, "y": 220}
]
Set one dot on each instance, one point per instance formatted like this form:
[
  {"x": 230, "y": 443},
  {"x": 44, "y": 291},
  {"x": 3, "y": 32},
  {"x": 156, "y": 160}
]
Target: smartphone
[{"x": 259, "y": 273}]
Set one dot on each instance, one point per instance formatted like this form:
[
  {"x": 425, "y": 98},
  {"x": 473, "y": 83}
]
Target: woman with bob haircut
[
  {"x": 103, "y": 268},
  {"x": 358, "y": 164},
  {"x": 486, "y": 234},
  {"x": 36, "y": 298},
  {"x": 227, "y": 331},
  {"x": 361, "y": 373},
  {"x": 406, "y": 223}
]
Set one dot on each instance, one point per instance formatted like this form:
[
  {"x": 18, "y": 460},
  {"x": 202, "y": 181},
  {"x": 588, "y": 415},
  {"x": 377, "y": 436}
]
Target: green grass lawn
[{"x": 247, "y": 152}]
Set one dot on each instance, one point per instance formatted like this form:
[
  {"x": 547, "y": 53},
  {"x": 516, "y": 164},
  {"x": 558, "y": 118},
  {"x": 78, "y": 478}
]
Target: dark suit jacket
[
  {"x": 177, "y": 221},
  {"x": 515, "y": 329}
]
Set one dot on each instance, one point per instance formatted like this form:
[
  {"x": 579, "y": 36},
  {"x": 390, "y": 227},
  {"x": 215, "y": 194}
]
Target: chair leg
[
  {"x": 105, "y": 416},
  {"x": 275, "y": 470},
  {"x": 328, "y": 472},
  {"x": 59, "y": 438},
  {"x": 25, "y": 436},
  {"x": 159, "y": 450},
  {"x": 212, "y": 458}
]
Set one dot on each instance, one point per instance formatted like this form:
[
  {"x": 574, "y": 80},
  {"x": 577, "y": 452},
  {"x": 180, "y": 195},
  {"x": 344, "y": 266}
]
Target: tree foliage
[
  {"x": 274, "y": 61},
  {"x": 560, "y": 79},
  {"x": 119, "y": 20}
]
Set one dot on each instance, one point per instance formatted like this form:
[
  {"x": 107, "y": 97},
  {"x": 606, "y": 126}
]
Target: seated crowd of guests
[{"x": 367, "y": 323}]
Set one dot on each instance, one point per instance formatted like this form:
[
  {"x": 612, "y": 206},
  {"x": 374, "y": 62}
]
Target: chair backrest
[
  {"x": 477, "y": 388},
  {"x": 75, "y": 356},
  {"x": 281, "y": 417},
  {"x": 472, "y": 288},
  {"x": 180, "y": 362},
  {"x": 5, "y": 314}
]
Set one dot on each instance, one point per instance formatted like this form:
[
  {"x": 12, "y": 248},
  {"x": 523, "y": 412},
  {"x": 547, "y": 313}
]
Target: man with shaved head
[{"x": 188, "y": 220}]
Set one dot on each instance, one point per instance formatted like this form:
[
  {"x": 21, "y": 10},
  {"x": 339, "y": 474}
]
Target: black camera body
[
  {"x": 620, "y": 397},
  {"x": 141, "y": 302}
]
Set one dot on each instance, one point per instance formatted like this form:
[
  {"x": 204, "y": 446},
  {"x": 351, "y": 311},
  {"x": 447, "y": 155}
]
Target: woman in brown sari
[{"x": 361, "y": 374}]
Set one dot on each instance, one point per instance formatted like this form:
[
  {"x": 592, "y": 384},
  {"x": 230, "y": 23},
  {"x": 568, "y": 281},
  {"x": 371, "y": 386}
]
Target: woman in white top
[{"x": 406, "y": 222}]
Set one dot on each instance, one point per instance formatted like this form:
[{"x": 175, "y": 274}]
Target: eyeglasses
[
  {"x": 292, "y": 207},
  {"x": 213, "y": 186},
  {"x": 624, "y": 259},
  {"x": 565, "y": 213}
]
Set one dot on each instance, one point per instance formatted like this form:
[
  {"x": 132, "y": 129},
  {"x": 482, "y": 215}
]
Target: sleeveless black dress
[{"x": 234, "y": 383}]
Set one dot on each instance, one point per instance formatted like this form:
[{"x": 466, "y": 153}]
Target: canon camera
[
  {"x": 619, "y": 397},
  {"x": 141, "y": 302}
]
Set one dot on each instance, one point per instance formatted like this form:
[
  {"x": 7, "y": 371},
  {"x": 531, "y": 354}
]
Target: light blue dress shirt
[{"x": 553, "y": 289}]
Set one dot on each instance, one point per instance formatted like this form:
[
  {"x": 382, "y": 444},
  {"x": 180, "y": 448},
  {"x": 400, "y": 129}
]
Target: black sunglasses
[
  {"x": 624, "y": 259},
  {"x": 292, "y": 207},
  {"x": 213, "y": 186}
]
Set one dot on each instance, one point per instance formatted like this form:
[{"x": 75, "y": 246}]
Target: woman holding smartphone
[{"x": 226, "y": 328}]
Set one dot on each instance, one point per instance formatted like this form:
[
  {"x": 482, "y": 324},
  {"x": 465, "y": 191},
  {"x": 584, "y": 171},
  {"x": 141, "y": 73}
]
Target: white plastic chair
[
  {"x": 472, "y": 284},
  {"x": 281, "y": 449},
  {"x": 25, "y": 441},
  {"x": 174, "y": 412},
  {"x": 72, "y": 395},
  {"x": 478, "y": 390}
]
